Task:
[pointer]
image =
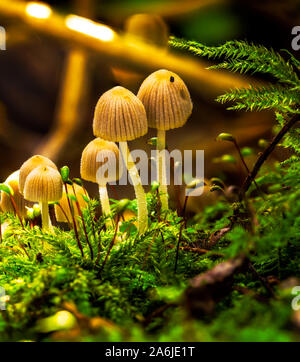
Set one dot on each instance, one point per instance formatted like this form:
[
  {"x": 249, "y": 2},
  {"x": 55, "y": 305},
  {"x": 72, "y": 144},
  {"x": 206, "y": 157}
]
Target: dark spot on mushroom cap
[
  {"x": 183, "y": 94},
  {"x": 172, "y": 79}
]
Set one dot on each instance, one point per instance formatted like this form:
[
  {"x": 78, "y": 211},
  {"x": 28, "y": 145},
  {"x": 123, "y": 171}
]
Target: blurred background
[{"x": 50, "y": 81}]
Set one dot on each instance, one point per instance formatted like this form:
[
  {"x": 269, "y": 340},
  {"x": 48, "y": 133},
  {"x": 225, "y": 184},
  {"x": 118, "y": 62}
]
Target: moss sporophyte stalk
[{"x": 75, "y": 268}]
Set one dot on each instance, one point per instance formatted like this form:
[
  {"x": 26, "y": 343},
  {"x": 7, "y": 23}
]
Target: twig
[
  {"x": 245, "y": 164},
  {"x": 249, "y": 292},
  {"x": 266, "y": 153},
  {"x": 200, "y": 251},
  {"x": 11, "y": 274},
  {"x": 135, "y": 55},
  {"x": 158, "y": 312},
  {"x": 7, "y": 247},
  {"x": 24, "y": 249},
  {"x": 262, "y": 280},
  {"x": 217, "y": 235}
]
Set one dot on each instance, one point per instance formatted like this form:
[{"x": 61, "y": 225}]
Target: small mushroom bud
[
  {"x": 100, "y": 163},
  {"x": 5, "y": 205},
  {"x": 30, "y": 165},
  {"x": 44, "y": 185}
]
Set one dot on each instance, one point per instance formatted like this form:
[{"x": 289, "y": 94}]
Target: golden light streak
[
  {"x": 89, "y": 27},
  {"x": 38, "y": 10},
  {"x": 119, "y": 52}
]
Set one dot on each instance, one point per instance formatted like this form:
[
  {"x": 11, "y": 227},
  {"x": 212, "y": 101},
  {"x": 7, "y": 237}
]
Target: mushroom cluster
[{"x": 162, "y": 102}]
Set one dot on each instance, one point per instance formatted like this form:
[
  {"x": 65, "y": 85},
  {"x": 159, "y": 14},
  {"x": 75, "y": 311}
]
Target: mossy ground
[{"x": 138, "y": 296}]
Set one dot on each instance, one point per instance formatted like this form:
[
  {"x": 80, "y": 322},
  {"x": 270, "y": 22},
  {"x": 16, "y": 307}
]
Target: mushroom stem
[
  {"x": 138, "y": 188},
  {"x": 105, "y": 204},
  {"x": 46, "y": 223},
  {"x": 161, "y": 169}
]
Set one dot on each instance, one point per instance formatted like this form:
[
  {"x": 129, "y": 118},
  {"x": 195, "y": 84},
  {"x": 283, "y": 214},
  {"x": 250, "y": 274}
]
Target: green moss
[{"x": 138, "y": 296}]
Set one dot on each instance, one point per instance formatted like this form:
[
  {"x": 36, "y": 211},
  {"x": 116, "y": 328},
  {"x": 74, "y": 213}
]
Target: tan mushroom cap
[
  {"x": 43, "y": 184},
  {"x": 119, "y": 116},
  {"x": 60, "y": 217},
  {"x": 5, "y": 203},
  {"x": 151, "y": 28},
  {"x": 99, "y": 152},
  {"x": 166, "y": 99},
  {"x": 30, "y": 165}
]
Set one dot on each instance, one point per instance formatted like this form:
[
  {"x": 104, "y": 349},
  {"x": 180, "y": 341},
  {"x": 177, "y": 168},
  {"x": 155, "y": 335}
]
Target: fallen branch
[
  {"x": 266, "y": 153},
  {"x": 207, "y": 289},
  {"x": 134, "y": 55}
]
